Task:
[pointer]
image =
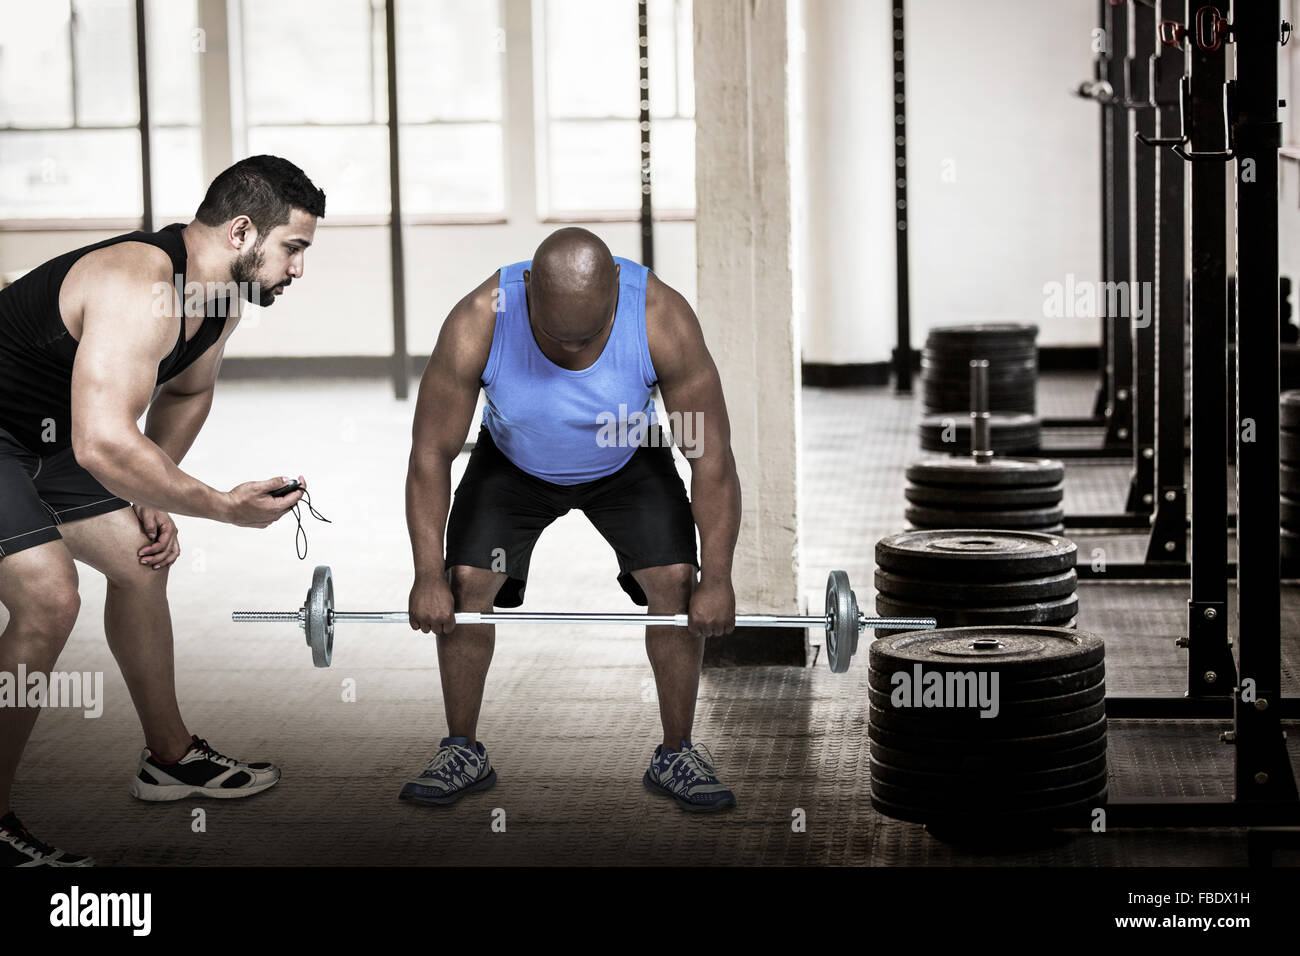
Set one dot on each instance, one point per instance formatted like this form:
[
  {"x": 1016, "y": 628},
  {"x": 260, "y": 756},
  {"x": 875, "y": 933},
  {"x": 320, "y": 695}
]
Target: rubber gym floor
[{"x": 569, "y": 719}]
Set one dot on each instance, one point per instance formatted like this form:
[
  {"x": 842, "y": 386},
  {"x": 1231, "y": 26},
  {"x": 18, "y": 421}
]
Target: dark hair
[{"x": 263, "y": 188}]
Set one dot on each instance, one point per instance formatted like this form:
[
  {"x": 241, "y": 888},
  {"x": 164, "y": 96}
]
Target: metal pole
[
  {"x": 401, "y": 382},
  {"x": 1208, "y": 652},
  {"x": 647, "y": 206},
  {"x": 1168, "y": 539},
  {"x": 903, "y": 349},
  {"x": 635, "y": 619},
  {"x": 1119, "y": 357},
  {"x": 1263, "y": 767},
  {"x": 142, "y": 81},
  {"x": 1107, "y": 109},
  {"x": 981, "y": 444},
  {"x": 1142, "y": 201}
]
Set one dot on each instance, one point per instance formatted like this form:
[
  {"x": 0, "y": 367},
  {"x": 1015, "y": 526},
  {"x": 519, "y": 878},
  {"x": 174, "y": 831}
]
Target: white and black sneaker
[
  {"x": 20, "y": 848},
  {"x": 202, "y": 772}
]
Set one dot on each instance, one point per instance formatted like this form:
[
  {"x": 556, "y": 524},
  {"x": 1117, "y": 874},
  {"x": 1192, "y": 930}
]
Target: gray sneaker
[
  {"x": 688, "y": 776},
  {"x": 455, "y": 770}
]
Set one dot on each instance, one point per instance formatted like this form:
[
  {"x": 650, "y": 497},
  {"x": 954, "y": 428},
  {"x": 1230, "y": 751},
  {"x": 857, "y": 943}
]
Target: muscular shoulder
[
  {"x": 466, "y": 337},
  {"x": 127, "y": 272},
  {"x": 672, "y": 329},
  {"x": 125, "y": 265}
]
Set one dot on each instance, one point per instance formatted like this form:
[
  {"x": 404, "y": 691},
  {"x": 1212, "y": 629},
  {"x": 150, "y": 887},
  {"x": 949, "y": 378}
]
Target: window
[
  {"x": 322, "y": 102},
  {"x": 174, "y": 47},
  {"x": 588, "y": 79},
  {"x": 450, "y": 69},
  {"x": 69, "y": 110}
]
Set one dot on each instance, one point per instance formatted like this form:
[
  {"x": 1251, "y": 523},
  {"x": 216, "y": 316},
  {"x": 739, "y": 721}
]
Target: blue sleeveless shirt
[{"x": 563, "y": 426}]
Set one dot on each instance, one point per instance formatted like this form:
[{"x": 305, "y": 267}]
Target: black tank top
[{"x": 37, "y": 350}]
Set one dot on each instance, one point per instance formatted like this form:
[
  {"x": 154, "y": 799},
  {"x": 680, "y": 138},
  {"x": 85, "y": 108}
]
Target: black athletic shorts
[
  {"x": 500, "y": 511},
  {"x": 39, "y": 494}
]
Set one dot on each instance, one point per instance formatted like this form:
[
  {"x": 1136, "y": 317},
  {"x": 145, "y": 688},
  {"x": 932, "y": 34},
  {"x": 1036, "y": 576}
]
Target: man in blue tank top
[
  {"x": 568, "y": 348},
  {"x": 88, "y": 342}
]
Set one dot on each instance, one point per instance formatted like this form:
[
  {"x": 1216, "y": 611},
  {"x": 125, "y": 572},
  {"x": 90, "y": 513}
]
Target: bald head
[{"x": 572, "y": 285}]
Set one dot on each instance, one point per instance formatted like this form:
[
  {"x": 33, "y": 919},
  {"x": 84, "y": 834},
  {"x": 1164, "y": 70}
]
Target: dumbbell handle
[{"x": 643, "y": 620}]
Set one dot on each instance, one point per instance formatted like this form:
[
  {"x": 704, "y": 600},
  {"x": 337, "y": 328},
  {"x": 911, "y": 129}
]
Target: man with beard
[{"x": 88, "y": 342}]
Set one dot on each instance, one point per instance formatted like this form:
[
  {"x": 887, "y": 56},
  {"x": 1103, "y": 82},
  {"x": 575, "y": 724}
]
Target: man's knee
[
  {"x": 48, "y": 611},
  {"x": 137, "y": 578},
  {"x": 667, "y": 587},
  {"x": 474, "y": 588}
]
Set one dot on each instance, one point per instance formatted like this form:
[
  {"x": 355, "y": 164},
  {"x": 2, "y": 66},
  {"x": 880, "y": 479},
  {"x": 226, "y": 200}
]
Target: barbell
[{"x": 842, "y": 620}]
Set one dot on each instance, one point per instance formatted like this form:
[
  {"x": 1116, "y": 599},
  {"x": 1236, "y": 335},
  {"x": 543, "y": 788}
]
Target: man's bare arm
[
  {"x": 113, "y": 378},
  {"x": 181, "y": 406},
  {"x": 692, "y": 394},
  {"x": 444, "y": 411}
]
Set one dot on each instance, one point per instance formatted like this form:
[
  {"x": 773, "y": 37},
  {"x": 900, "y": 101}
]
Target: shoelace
[
  {"x": 23, "y": 840},
  {"x": 300, "y": 536},
  {"x": 697, "y": 758},
  {"x": 447, "y": 754},
  {"x": 202, "y": 747}
]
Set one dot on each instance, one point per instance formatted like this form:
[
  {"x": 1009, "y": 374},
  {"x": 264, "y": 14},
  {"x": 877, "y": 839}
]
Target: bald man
[{"x": 569, "y": 347}]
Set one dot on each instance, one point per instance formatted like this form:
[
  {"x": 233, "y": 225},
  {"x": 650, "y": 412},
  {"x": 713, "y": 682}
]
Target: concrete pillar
[
  {"x": 745, "y": 297},
  {"x": 521, "y": 159},
  {"x": 216, "y": 129},
  {"x": 850, "y": 282}
]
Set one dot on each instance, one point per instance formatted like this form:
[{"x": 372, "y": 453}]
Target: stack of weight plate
[
  {"x": 1006, "y": 493},
  {"x": 1037, "y": 760},
  {"x": 1012, "y": 354},
  {"x": 1010, "y": 433},
  {"x": 977, "y": 577},
  {"x": 1289, "y": 409}
]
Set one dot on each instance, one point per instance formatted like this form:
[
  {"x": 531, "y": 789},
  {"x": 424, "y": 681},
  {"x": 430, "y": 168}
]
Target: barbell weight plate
[
  {"x": 1005, "y": 748},
  {"x": 1024, "y": 653},
  {"x": 1290, "y": 513},
  {"x": 936, "y": 384},
  {"x": 970, "y": 727},
  {"x": 1027, "y": 715},
  {"x": 954, "y": 826},
  {"x": 978, "y": 594},
  {"x": 1010, "y": 379},
  {"x": 319, "y": 614},
  {"x": 1289, "y": 477},
  {"x": 1028, "y": 519},
  {"x": 989, "y": 785},
  {"x": 941, "y": 405},
  {"x": 1289, "y": 446},
  {"x": 977, "y": 344},
  {"x": 1012, "y": 687},
  {"x": 1006, "y": 424},
  {"x": 983, "y": 332},
  {"x": 951, "y": 432},
  {"x": 842, "y": 622},
  {"x": 985, "y": 499},
  {"x": 984, "y": 555},
  {"x": 1289, "y": 545},
  {"x": 1289, "y": 409},
  {"x": 973, "y": 800},
  {"x": 985, "y": 764},
  {"x": 1005, "y": 378},
  {"x": 993, "y": 473},
  {"x": 956, "y": 404},
  {"x": 1047, "y": 613}
]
